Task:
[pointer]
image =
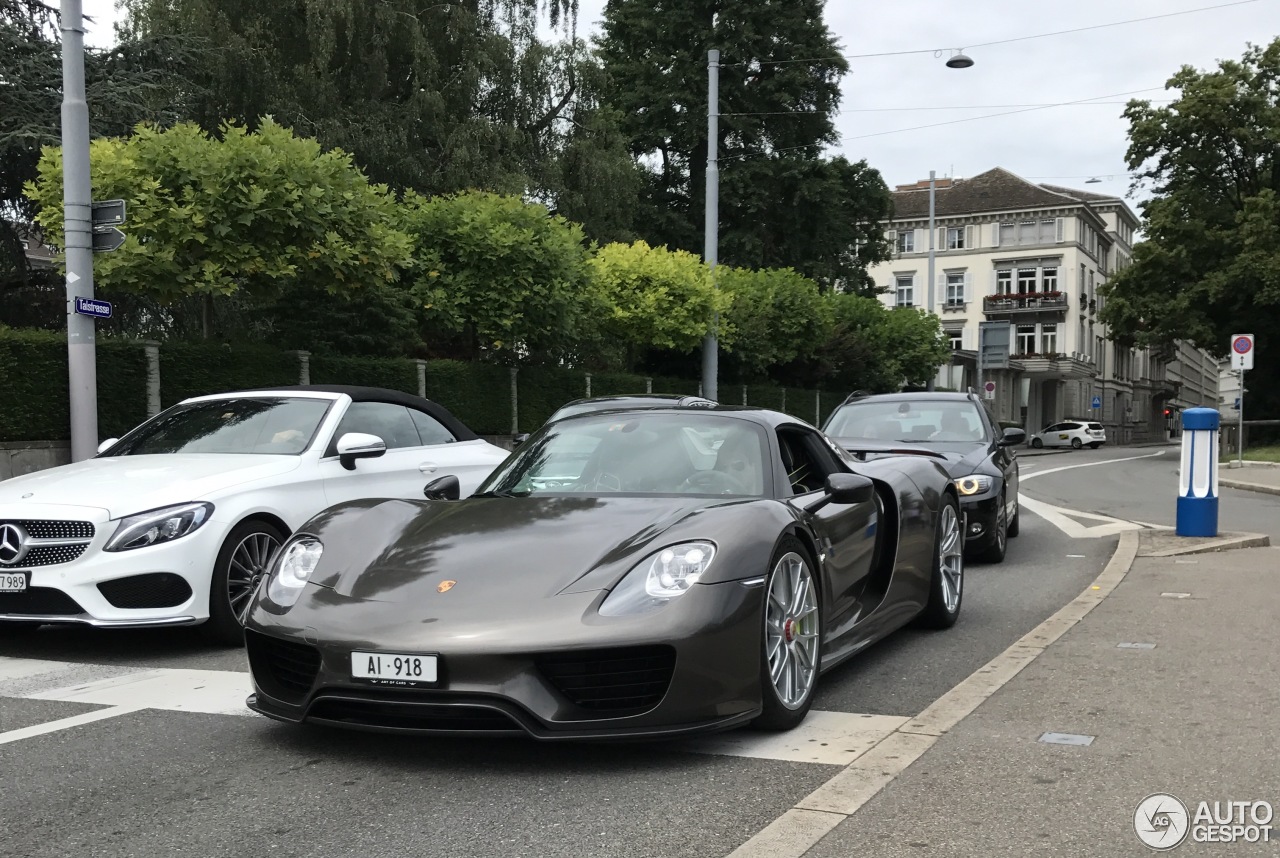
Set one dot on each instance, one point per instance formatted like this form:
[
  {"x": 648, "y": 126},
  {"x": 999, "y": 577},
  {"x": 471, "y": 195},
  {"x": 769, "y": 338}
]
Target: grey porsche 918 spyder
[{"x": 625, "y": 574}]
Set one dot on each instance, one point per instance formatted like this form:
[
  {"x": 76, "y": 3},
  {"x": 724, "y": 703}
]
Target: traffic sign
[
  {"x": 106, "y": 240},
  {"x": 1097, "y": 402},
  {"x": 1237, "y": 405},
  {"x": 1242, "y": 351},
  {"x": 95, "y": 307},
  {"x": 108, "y": 213},
  {"x": 990, "y": 389}
]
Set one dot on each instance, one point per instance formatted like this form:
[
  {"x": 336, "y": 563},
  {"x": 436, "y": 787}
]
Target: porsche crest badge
[{"x": 445, "y": 586}]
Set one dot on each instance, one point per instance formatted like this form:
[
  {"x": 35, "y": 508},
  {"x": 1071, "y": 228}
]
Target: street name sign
[{"x": 93, "y": 307}]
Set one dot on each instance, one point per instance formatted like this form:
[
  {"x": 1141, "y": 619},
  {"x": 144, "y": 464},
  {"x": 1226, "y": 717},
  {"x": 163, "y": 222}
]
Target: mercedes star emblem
[{"x": 13, "y": 544}]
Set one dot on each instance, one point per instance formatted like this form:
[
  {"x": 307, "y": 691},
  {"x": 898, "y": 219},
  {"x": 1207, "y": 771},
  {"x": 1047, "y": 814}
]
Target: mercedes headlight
[
  {"x": 973, "y": 484},
  {"x": 293, "y": 569},
  {"x": 158, "y": 525},
  {"x": 659, "y": 578}
]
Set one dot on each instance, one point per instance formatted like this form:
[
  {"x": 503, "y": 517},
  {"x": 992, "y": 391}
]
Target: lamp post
[{"x": 711, "y": 345}]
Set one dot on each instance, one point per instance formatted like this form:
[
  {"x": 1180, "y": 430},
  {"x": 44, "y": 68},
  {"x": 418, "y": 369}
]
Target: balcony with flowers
[{"x": 1025, "y": 302}]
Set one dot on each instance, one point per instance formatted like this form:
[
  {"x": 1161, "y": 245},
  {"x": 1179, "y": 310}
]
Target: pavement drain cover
[
  {"x": 1135, "y": 646},
  {"x": 1066, "y": 739},
  {"x": 1175, "y": 595}
]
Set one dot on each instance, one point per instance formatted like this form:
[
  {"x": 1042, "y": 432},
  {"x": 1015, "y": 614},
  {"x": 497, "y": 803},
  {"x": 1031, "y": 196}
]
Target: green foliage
[
  {"x": 391, "y": 373},
  {"x": 501, "y": 272},
  {"x": 1210, "y": 264},
  {"x": 196, "y": 369},
  {"x": 33, "y": 376},
  {"x": 777, "y": 317},
  {"x": 783, "y": 204},
  {"x": 478, "y": 394},
  {"x": 655, "y": 297},
  {"x": 875, "y": 348},
  {"x": 252, "y": 212}
]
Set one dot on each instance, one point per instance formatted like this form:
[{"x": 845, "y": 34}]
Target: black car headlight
[
  {"x": 158, "y": 525},
  {"x": 659, "y": 578},
  {"x": 973, "y": 484},
  {"x": 292, "y": 569}
]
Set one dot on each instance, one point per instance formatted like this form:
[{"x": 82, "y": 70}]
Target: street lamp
[{"x": 959, "y": 60}]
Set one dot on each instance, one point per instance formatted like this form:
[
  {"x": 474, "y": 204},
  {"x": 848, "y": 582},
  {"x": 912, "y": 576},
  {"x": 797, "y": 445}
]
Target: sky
[{"x": 1065, "y": 145}]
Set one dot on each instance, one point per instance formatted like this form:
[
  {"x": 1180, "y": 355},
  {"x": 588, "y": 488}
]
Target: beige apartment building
[{"x": 1035, "y": 255}]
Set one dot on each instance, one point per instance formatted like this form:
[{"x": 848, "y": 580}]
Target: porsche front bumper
[{"x": 692, "y": 666}]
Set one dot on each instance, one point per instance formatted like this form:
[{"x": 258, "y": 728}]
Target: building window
[
  {"x": 955, "y": 289},
  {"x": 906, "y": 241},
  {"x": 1008, "y": 234},
  {"x": 957, "y": 339},
  {"x": 1026, "y": 280},
  {"x": 955, "y": 238},
  {"x": 1048, "y": 231},
  {"x": 1026, "y": 232},
  {"x": 1004, "y": 282},
  {"x": 1026, "y": 339},
  {"x": 1049, "y": 338},
  {"x": 905, "y": 291},
  {"x": 1048, "y": 279}
]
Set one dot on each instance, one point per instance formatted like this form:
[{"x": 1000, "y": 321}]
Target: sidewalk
[
  {"x": 1254, "y": 477},
  {"x": 1197, "y": 716}
]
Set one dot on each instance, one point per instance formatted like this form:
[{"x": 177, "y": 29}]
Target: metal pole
[
  {"x": 77, "y": 203},
  {"x": 1240, "y": 425},
  {"x": 711, "y": 346},
  {"x": 932, "y": 232}
]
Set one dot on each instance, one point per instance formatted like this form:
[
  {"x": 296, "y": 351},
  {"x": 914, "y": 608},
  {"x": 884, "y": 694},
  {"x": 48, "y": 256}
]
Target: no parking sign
[{"x": 1242, "y": 351}]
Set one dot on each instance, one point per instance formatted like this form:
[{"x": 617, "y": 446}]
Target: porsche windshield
[
  {"x": 939, "y": 420},
  {"x": 638, "y": 454},
  {"x": 267, "y": 425}
]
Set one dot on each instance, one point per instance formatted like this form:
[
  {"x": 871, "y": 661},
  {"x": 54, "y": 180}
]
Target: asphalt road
[{"x": 154, "y": 781}]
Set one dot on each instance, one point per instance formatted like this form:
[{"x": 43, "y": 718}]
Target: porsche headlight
[
  {"x": 158, "y": 525},
  {"x": 293, "y": 569},
  {"x": 973, "y": 484},
  {"x": 659, "y": 578}
]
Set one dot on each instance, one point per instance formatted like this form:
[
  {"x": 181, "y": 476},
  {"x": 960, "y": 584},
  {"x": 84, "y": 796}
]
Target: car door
[
  {"x": 1005, "y": 459},
  {"x": 402, "y": 472},
  {"x": 844, "y": 531},
  {"x": 444, "y": 454},
  {"x": 1055, "y": 435}
]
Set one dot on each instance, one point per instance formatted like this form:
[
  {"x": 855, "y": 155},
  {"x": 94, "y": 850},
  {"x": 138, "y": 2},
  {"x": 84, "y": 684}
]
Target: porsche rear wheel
[
  {"x": 792, "y": 638},
  {"x": 241, "y": 565},
  {"x": 946, "y": 586}
]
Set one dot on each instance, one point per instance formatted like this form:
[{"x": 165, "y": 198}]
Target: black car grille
[
  {"x": 153, "y": 590},
  {"x": 406, "y": 715},
  {"x": 35, "y": 601},
  {"x": 50, "y": 555},
  {"x": 43, "y": 529},
  {"x": 630, "y": 679},
  {"x": 286, "y": 670}
]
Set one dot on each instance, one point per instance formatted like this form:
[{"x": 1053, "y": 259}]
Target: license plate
[
  {"x": 393, "y": 668},
  {"x": 13, "y": 582}
]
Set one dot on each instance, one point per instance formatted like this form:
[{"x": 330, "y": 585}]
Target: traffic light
[{"x": 1166, "y": 412}]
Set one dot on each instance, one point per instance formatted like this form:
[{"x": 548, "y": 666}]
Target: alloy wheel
[
  {"x": 951, "y": 558},
  {"x": 791, "y": 630},
  {"x": 248, "y": 565}
]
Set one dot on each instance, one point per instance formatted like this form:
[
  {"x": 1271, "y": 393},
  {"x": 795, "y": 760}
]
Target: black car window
[
  {"x": 389, "y": 422},
  {"x": 806, "y": 460},
  {"x": 947, "y": 420},
  {"x": 262, "y": 425},
  {"x": 1055, "y": 427},
  {"x": 430, "y": 430}
]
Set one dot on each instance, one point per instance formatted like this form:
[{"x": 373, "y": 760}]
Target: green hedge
[
  {"x": 195, "y": 369},
  {"x": 33, "y": 382}
]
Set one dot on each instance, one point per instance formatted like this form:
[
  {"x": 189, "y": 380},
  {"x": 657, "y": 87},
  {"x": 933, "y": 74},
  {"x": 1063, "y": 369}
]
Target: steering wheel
[{"x": 712, "y": 483}]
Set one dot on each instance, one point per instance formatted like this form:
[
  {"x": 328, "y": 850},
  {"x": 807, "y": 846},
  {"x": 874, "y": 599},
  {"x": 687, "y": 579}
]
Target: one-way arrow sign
[{"x": 106, "y": 240}]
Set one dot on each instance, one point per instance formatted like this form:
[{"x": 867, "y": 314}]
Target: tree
[
  {"x": 782, "y": 203},
  {"x": 1210, "y": 262},
  {"x": 777, "y": 316},
  {"x": 656, "y": 298},
  {"x": 498, "y": 277},
  {"x": 249, "y": 215},
  {"x": 136, "y": 80},
  {"x": 879, "y": 349}
]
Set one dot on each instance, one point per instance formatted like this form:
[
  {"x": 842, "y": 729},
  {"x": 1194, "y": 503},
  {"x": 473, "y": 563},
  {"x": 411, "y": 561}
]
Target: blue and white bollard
[{"x": 1198, "y": 479}]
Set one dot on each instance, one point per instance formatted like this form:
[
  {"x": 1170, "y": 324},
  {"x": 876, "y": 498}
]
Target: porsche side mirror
[
  {"x": 849, "y": 488},
  {"x": 1012, "y": 437},
  {"x": 443, "y": 488},
  {"x": 358, "y": 445},
  {"x": 108, "y": 444}
]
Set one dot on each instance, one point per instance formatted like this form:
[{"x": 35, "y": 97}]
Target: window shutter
[
  {"x": 968, "y": 237},
  {"x": 966, "y": 339},
  {"x": 995, "y": 234},
  {"x": 892, "y": 235},
  {"x": 940, "y": 291},
  {"x": 1060, "y": 228},
  {"x": 995, "y": 284},
  {"x": 942, "y": 238},
  {"x": 968, "y": 288}
]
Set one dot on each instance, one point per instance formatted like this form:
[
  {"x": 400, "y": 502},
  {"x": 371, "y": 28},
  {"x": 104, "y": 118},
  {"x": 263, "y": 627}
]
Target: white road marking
[
  {"x": 833, "y": 738},
  {"x": 797, "y": 830},
  {"x": 1064, "y": 519},
  {"x": 64, "y": 723},
  {"x": 1092, "y": 464},
  {"x": 22, "y": 668},
  {"x": 216, "y": 692}
]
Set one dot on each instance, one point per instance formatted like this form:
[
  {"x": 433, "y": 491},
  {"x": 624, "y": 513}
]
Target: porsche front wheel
[
  {"x": 946, "y": 585},
  {"x": 792, "y": 637}
]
